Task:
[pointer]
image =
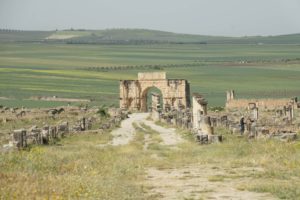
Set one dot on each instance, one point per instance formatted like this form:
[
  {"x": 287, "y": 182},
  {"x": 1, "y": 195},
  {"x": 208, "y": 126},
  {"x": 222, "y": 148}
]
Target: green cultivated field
[{"x": 93, "y": 71}]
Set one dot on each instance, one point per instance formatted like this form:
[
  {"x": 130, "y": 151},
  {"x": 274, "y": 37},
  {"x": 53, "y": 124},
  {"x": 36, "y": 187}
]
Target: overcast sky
[{"x": 209, "y": 17}]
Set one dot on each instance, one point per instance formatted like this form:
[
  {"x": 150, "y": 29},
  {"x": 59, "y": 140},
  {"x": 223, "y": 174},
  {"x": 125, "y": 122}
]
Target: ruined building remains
[
  {"x": 199, "y": 109},
  {"x": 234, "y": 103},
  {"x": 133, "y": 93}
]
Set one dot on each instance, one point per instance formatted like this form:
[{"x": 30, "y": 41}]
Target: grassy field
[
  {"x": 79, "y": 167},
  {"x": 94, "y": 71}
]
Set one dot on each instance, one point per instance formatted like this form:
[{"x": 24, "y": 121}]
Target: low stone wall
[
  {"x": 260, "y": 103},
  {"x": 23, "y": 138}
]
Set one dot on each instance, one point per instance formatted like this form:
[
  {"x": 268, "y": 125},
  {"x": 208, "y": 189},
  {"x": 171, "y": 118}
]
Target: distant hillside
[
  {"x": 127, "y": 36},
  {"x": 23, "y": 36},
  {"x": 136, "y": 36}
]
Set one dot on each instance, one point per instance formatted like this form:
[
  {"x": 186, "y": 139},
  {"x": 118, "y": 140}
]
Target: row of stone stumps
[{"x": 23, "y": 138}]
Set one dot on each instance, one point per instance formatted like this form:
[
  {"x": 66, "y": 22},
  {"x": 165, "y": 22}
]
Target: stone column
[
  {"x": 290, "y": 113},
  {"x": 205, "y": 126},
  {"x": 82, "y": 124},
  {"x": 232, "y": 95},
  {"x": 199, "y": 109},
  {"x": 19, "y": 138},
  {"x": 255, "y": 113},
  {"x": 155, "y": 106},
  {"x": 228, "y": 96}
]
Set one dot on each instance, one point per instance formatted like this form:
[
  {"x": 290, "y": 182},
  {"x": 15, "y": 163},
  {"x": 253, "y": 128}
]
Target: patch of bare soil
[
  {"x": 126, "y": 132},
  {"x": 60, "y": 37},
  {"x": 201, "y": 182},
  {"x": 59, "y": 99},
  {"x": 4, "y": 98},
  {"x": 168, "y": 135}
]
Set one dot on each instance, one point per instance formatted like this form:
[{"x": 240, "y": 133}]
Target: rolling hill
[{"x": 136, "y": 36}]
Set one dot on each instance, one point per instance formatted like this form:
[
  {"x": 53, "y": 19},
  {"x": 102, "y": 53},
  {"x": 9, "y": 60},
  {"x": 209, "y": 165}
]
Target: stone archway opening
[{"x": 147, "y": 98}]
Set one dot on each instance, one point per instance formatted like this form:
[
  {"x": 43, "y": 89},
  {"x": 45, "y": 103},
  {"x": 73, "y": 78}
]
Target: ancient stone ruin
[
  {"x": 264, "y": 118},
  {"x": 79, "y": 120},
  {"x": 177, "y": 111},
  {"x": 133, "y": 93},
  {"x": 203, "y": 124},
  {"x": 253, "y": 118},
  {"x": 176, "y": 108},
  {"x": 233, "y": 103}
]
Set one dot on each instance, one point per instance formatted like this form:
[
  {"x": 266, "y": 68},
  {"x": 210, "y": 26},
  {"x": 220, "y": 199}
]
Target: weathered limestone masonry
[
  {"x": 230, "y": 95},
  {"x": 89, "y": 121},
  {"x": 194, "y": 119},
  {"x": 233, "y": 103},
  {"x": 199, "y": 109},
  {"x": 202, "y": 123},
  {"x": 155, "y": 108},
  {"x": 264, "y": 118},
  {"x": 133, "y": 93}
]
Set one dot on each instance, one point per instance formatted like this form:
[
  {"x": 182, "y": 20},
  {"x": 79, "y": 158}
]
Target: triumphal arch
[{"x": 175, "y": 93}]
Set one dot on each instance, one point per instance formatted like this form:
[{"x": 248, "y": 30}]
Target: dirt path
[
  {"x": 201, "y": 182},
  {"x": 168, "y": 135},
  {"x": 126, "y": 132},
  {"x": 190, "y": 182}
]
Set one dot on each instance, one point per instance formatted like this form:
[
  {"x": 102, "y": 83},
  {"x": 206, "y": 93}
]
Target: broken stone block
[
  {"x": 202, "y": 139},
  {"x": 19, "y": 138},
  {"x": 208, "y": 139},
  {"x": 63, "y": 128},
  {"x": 288, "y": 137},
  {"x": 205, "y": 125},
  {"x": 215, "y": 138}
]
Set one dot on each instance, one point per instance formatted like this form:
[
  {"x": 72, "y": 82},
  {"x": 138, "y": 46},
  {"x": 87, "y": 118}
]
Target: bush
[{"x": 103, "y": 112}]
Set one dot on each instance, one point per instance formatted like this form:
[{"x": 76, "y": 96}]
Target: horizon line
[{"x": 191, "y": 34}]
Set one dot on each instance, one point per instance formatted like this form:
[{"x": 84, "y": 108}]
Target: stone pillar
[
  {"x": 290, "y": 112},
  {"x": 199, "y": 109},
  {"x": 82, "y": 124},
  {"x": 294, "y": 102},
  {"x": 155, "y": 108},
  {"x": 285, "y": 111},
  {"x": 228, "y": 96},
  {"x": 255, "y": 113},
  {"x": 205, "y": 126},
  {"x": 232, "y": 95},
  {"x": 224, "y": 121},
  {"x": 19, "y": 138}
]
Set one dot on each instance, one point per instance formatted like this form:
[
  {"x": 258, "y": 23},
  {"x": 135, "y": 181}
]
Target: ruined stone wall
[
  {"x": 260, "y": 103},
  {"x": 233, "y": 103},
  {"x": 130, "y": 95}
]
